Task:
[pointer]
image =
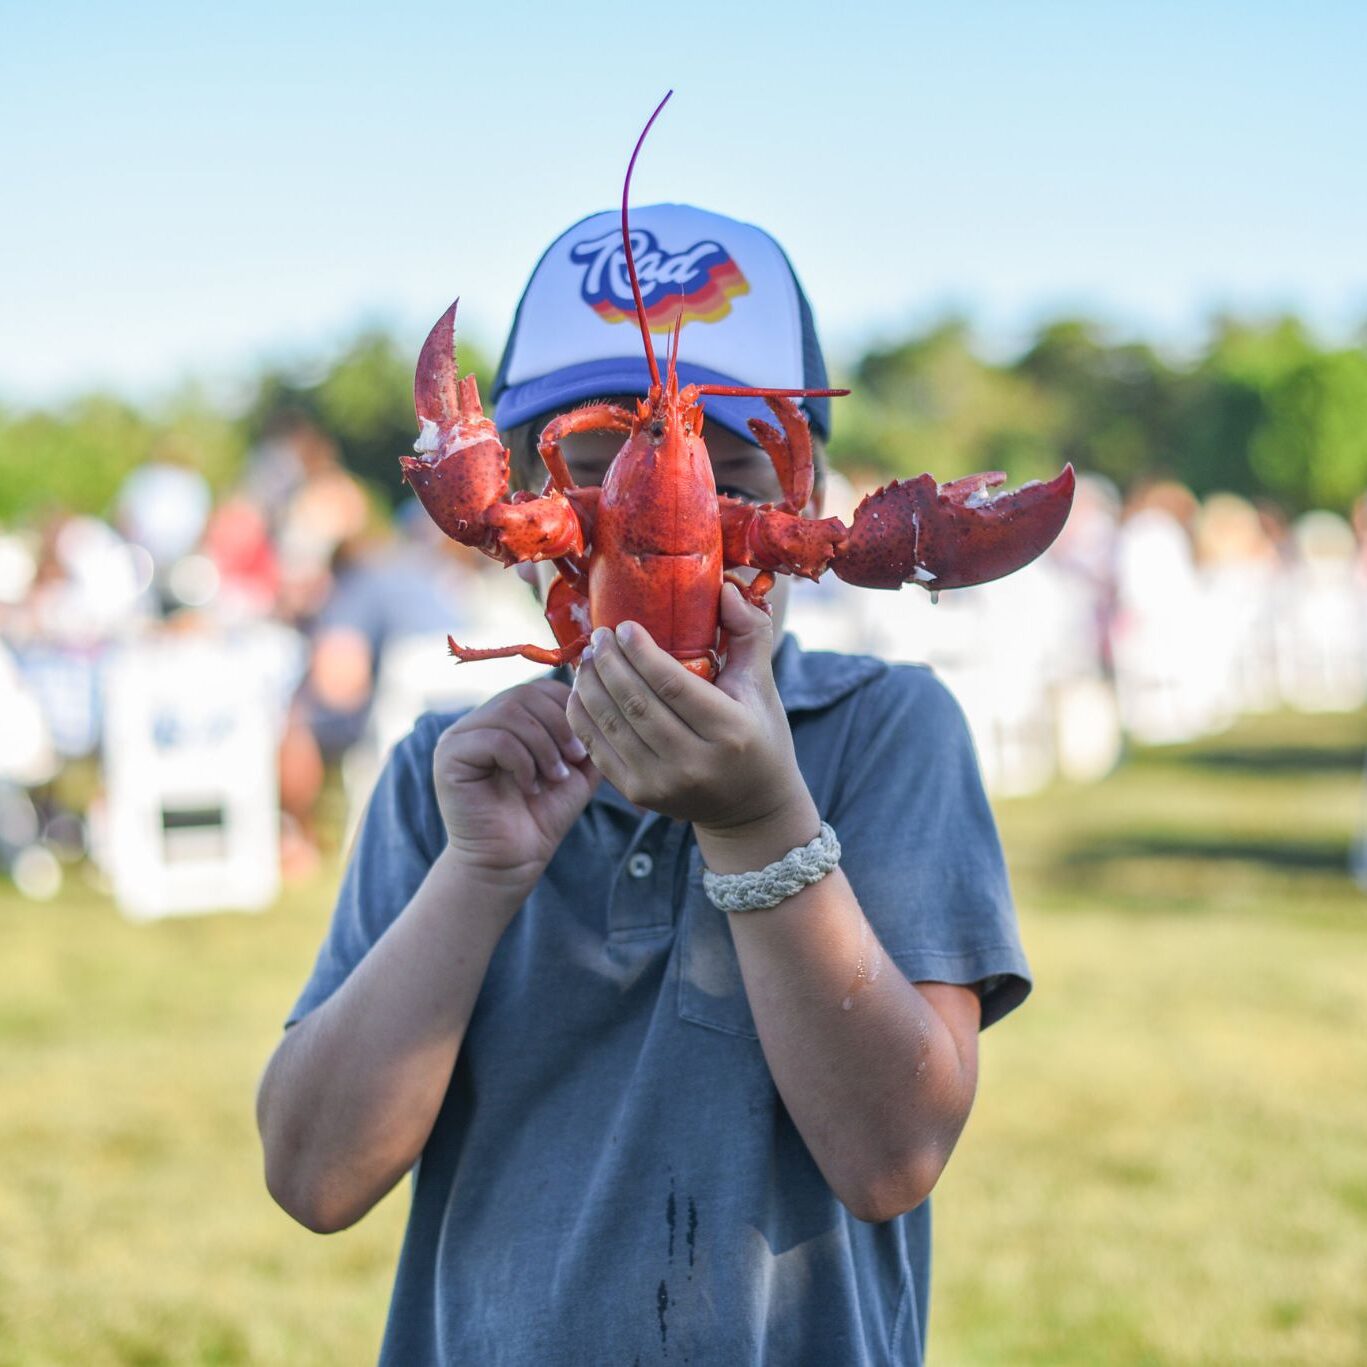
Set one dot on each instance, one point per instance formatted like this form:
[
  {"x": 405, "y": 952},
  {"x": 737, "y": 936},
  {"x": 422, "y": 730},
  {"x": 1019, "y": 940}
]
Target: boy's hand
[
  {"x": 719, "y": 755},
  {"x": 511, "y": 779}
]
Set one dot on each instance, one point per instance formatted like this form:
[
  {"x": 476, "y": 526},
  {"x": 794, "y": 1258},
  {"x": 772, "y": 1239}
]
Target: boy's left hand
[{"x": 717, "y": 754}]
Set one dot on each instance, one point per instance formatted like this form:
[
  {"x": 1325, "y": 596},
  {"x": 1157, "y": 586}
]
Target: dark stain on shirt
[{"x": 662, "y": 1305}]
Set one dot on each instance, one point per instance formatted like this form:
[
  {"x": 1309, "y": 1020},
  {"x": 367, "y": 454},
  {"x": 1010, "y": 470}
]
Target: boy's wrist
[
  {"x": 497, "y": 892},
  {"x": 754, "y": 844}
]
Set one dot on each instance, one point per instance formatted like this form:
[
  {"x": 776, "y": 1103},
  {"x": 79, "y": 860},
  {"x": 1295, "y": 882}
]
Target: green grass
[
  {"x": 1167, "y": 1162},
  {"x": 1168, "y": 1158},
  {"x": 136, "y": 1229}
]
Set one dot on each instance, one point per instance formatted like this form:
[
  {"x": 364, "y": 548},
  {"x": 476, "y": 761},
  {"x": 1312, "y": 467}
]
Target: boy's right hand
[{"x": 511, "y": 779}]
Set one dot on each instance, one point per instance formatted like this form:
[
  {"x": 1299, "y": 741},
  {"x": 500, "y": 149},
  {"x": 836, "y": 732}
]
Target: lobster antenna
[
  {"x": 674, "y": 341},
  {"x": 626, "y": 243},
  {"x": 745, "y": 392}
]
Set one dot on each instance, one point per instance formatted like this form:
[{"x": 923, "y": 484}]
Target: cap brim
[{"x": 603, "y": 379}]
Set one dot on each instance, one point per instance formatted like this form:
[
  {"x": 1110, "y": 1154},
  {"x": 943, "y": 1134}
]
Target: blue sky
[{"x": 190, "y": 189}]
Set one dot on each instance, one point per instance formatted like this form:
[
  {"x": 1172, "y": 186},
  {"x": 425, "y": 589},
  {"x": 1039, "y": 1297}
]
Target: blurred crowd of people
[
  {"x": 1159, "y": 617},
  {"x": 300, "y": 573}
]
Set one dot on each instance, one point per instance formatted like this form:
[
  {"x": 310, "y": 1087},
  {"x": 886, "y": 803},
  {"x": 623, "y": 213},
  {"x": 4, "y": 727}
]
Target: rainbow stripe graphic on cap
[{"x": 702, "y": 280}]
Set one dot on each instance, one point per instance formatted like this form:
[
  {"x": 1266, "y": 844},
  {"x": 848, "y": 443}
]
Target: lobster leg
[
  {"x": 756, "y": 592},
  {"x": 790, "y": 452},
  {"x": 950, "y": 536},
  {"x": 779, "y": 537},
  {"x": 460, "y": 467},
  {"x": 772, "y": 539},
  {"x": 597, "y": 417},
  {"x": 567, "y": 610},
  {"x": 544, "y": 655}
]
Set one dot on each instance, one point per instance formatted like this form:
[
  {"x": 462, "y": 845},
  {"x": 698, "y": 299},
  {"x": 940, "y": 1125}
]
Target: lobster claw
[
  {"x": 436, "y": 386},
  {"x": 951, "y": 536},
  {"x": 459, "y": 469}
]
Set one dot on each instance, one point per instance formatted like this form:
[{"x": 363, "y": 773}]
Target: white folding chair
[{"x": 190, "y": 745}]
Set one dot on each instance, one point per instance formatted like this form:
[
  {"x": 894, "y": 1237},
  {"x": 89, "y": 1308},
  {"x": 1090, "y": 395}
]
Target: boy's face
[{"x": 740, "y": 469}]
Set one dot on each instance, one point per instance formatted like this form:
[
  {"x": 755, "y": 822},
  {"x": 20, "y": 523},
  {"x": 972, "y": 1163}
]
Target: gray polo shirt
[{"x": 612, "y": 1178}]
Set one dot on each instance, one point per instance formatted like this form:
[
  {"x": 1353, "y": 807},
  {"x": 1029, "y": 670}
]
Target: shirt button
[{"x": 640, "y": 865}]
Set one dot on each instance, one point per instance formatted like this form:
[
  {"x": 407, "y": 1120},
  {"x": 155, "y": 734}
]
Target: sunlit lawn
[{"x": 1167, "y": 1164}]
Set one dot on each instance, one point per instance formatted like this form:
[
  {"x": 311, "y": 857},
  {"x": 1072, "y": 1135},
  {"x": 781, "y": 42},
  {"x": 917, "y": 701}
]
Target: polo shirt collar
[{"x": 809, "y": 681}]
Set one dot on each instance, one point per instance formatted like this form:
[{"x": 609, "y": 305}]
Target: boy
[{"x": 645, "y": 1129}]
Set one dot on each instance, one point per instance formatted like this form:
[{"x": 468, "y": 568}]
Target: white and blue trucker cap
[{"x": 746, "y": 320}]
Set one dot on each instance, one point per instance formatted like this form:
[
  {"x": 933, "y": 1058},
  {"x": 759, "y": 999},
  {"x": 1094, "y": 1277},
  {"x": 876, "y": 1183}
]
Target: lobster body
[
  {"x": 654, "y": 543},
  {"x": 658, "y": 548}
]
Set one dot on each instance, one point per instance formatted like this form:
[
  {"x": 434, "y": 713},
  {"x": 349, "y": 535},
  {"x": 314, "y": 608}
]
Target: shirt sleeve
[
  {"x": 919, "y": 844},
  {"x": 398, "y": 842}
]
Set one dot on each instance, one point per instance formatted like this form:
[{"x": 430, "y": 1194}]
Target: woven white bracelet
[{"x": 767, "y": 887}]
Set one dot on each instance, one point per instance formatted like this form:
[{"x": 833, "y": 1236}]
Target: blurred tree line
[{"x": 1263, "y": 411}]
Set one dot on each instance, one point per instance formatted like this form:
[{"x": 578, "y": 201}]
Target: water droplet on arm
[{"x": 867, "y": 967}]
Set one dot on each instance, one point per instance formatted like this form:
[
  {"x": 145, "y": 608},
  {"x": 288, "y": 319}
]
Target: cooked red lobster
[{"x": 653, "y": 543}]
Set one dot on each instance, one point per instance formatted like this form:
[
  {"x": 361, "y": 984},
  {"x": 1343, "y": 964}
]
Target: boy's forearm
[
  {"x": 868, "y": 1070},
  {"x": 350, "y": 1096}
]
